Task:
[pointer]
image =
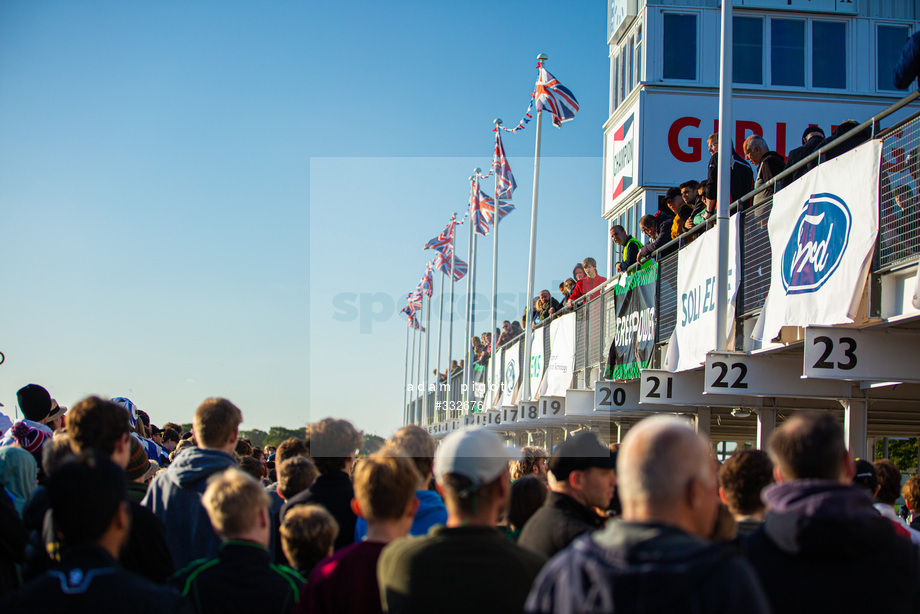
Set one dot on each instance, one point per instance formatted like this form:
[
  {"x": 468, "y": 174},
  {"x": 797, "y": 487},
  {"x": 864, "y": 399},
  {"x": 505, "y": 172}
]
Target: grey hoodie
[{"x": 175, "y": 498}]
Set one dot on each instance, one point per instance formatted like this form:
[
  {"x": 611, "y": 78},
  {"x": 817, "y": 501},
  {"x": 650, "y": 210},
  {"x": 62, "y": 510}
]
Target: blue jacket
[
  {"x": 175, "y": 498},
  {"x": 909, "y": 66},
  {"x": 431, "y": 511}
]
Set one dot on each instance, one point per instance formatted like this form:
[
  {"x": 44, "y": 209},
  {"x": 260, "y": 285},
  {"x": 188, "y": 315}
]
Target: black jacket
[
  {"x": 664, "y": 235},
  {"x": 89, "y": 580},
  {"x": 644, "y": 567},
  {"x": 13, "y": 536},
  {"x": 555, "y": 525},
  {"x": 908, "y": 67},
  {"x": 741, "y": 178},
  {"x": 241, "y": 579},
  {"x": 851, "y": 142},
  {"x": 824, "y": 548},
  {"x": 797, "y": 155},
  {"x": 771, "y": 165},
  {"x": 334, "y": 492}
]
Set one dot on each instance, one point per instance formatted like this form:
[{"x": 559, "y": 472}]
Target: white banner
[
  {"x": 536, "y": 362},
  {"x": 561, "y": 364},
  {"x": 697, "y": 269},
  {"x": 822, "y": 232},
  {"x": 510, "y": 374}
]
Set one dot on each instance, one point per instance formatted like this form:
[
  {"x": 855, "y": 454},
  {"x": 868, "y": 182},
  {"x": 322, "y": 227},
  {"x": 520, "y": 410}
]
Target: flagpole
[
  {"x": 471, "y": 287},
  {"x": 437, "y": 380},
  {"x": 723, "y": 192},
  {"x": 427, "y": 405},
  {"x": 411, "y": 411},
  {"x": 406, "y": 384},
  {"x": 418, "y": 409},
  {"x": 528, "y": 308},
  {"x": 496, "y": 215},
  {"x": 450, "y": 330}
]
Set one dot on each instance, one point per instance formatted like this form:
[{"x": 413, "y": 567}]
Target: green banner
[{"x": 636, "y": 322}]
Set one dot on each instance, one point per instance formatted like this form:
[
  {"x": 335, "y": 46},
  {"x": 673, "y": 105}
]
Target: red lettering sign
[{"x": 695, "y": 144}]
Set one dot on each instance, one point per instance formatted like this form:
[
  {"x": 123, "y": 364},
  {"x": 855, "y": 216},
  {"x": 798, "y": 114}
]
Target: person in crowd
[
  {"x": 455, "y": 367},
  {"x": 681, "y": 210},
  {"x": 251, "y": 466},
  {"x": 548, "y": 307},
  {"x": 170, "y": 439},
  {"x": 841, "y": 141},
  {"x": 630, "y": 245},
  {"x": 175, "y": 495},
  {"x": 13, "y": 540},
  {"x": 295, "y": 475},
  {"x": 506, "y": 335},
  {"x": 811, "y": 139},
  {"x": 569, "y": 285},
  {"x": 769, "y": 164},
  {"x": 36, "y": 406},
  {"x": 138, "y": 428},
  {"x": 138, "y": 471},
  {"x": 820, "y": 529},
  {"x": 243, "y": 448},
  {"x": 242, "y": 577},
  {"x": 94, "y": 529},
  {"x": 579, "y": 272},
  {"x": 528, "y": 494},
  {"x": 415, "y": 443},
  {"x": 908, "y": 67},
  {"x": 18, "y": 474},
  {"x": 307, "y": 535},
  {"x": 516, "y": 328},
  {"x": 911, "y": 494},
  {"x": 583, "y": 479},
  {"x": 658, "y": 230},
  {"x": 657, "y": 559},
  {"x": 332, "y": 445},
  {"x": 385, "y": 499},
  {"x": 31, "y": 439},
  {"x": 741, "y": 480},
  {"x": 532, "y": 464},
  {"x": 889, "y": 489},
  {"x": 587, "y": 284},
  {"x": 488, "y": 572},
  {"x": 692, "y": 194},
  {"x": 866, "y": 477},
  {"x": 741, "y": 176}
]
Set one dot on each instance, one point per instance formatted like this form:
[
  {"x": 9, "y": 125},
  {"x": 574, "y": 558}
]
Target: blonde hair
[
  {"x": 233, "y": 500},
  {"x": 415, "y": 442},
  {"x": 307, "y": 533},
  {"x": 384, "y": 485},
  {"x": 216, "y": 421}
]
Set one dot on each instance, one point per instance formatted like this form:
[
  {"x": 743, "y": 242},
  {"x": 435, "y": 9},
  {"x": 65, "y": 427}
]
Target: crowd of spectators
[{"x": 471, "y": 525}]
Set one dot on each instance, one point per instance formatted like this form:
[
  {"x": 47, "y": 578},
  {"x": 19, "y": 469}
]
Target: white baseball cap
[{"x": 475, "y": 453}]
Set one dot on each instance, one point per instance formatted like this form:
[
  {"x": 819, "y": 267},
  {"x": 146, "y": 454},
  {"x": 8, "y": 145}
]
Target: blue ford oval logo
[
  {"x": 818, "y": 242},
  {"x": 510, "y": 373}
]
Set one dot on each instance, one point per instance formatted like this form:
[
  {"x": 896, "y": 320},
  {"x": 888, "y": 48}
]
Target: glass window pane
[
  {"x": 616, "y": 82},
  {"x": 747, "y": 50},
  {"x": 629, "y": 65},
  {"x": 623, "y": 76},
  {"x": 829, "y": 54},
  {"x": 787, "y": 52},
  {"x": 891, "y": 40},
  {"x": 679, "y": 46}
]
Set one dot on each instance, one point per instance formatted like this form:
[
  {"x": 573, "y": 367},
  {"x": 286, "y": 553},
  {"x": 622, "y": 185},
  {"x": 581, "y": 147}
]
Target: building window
[
  {"x": 638, "y": 72},
  {"x": 615, "y": 62},
  {"x": 680, "y": 46},
  {"x": 622, "y": 82},
  {"x": 629, "y": 65},
  {"x": 889, "y": 42},
  {"x": 747, "y": 50},
  {"x": 829, "y": 54},
  {"x": 787, "y": 52}
]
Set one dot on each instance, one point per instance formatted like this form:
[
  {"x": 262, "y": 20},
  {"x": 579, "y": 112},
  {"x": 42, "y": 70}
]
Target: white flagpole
[
  {"x": 421, "y": 334},
  {"x": 528, "y": 307},
  {"x": 406, "y": 384},
  {"x": 427, "y": 405},
  {"x": 437, "y": 380},
  {"x": 723, "y": 194},
  {"x": 470, "y": 302},
  {"x": 411, "y": 411},
  {"x": 450, "y": 329},
  {"x": 495, "y": 217}
]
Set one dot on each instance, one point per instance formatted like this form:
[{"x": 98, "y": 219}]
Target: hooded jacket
[
  {"x": 646, "y": 567},
  {"x": 824, "y": 548},
  {"x": 175, "y": 498}
]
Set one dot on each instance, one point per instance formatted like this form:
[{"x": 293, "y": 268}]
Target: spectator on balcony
[
  {"x": 579, "y": 273},
  {"x": 516, "y": 328},
  {"x": 741, "y": 176},
  {"x": 908, "y": 67},
  {"x": 569, "y": 287},
  {"x": 701, "y": 204},
  {"x": 507, "y": 334},
  {"x": 546, "y": 307},
  {"x": 631, "y": 247},
  {"x": 689, "y": 191},
  {"x": 589, "y": 283},
  {"x": 811, "y": 139},
  {"x": 682, "y": 211},
  {"x": 769, "y": 165},
  {"x": 455, "y": 367},
  {"x": 658, "y": 232},
  {"x": 842, "y": 145}
]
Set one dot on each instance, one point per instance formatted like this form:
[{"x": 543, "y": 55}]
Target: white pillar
[
  {"x": 766, "y": 424},
  {"x": 855, "y": 424},
  {"x": 622, "y": 428},
  {"x": 702, "y": 421}
]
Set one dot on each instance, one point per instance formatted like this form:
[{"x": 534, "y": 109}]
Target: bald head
[{"x": 665, "y": 474}]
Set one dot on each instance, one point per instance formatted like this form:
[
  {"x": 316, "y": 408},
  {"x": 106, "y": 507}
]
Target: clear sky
[{"x": 231, "y": 198}]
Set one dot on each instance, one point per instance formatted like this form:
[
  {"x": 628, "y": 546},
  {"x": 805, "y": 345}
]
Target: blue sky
[{"x": 189, "y": 189}]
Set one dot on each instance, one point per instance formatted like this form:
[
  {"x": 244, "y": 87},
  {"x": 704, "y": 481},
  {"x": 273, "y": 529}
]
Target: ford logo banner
[{"x": 818, "y": 242}]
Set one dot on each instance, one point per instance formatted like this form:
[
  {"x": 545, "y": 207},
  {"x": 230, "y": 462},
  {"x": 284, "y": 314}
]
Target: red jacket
[{"x": 585, "y": 285}]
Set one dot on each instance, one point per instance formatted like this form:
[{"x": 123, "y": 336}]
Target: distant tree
[
  {"x": 256, "y": 437},
  {"x": 372, "y": 443},
  {"x": 902, "y": 452},
  {"x": 277, "y": 434}
]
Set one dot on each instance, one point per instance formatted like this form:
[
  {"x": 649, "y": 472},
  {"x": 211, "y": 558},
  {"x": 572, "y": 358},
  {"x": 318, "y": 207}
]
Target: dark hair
[
  {"x": 253, "y": 467},
  {"x": 743, "y": 477},
  {"x": 809, "y": 445},
  {"x": 170, "y": 435},
  {"x": 672, "y": 193},
  {"x": 578, "y": 266},
  {"x": 243, "y": 448},
  {"x": 295, "y": 475},
  {"x": 866, "y": 476},
  {"x": 692, "y": 184},
  {"x": 647, "y": 221},
  {"x": 889, "y": 478},
  {"x": 289, "y": 448},
  {"x": 332, "y": 444},
  {"x": 85, "y": 495},
  {"x": 97, "y": 423},
  {"x": 527, "y": 496}
]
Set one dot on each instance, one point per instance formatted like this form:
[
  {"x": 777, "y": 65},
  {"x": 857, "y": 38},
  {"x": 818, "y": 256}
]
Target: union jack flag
[
  {"x": 414, "y": 303},
  {"x": 480, "y": 215},
  {"x": 427, "y": 285},
  {"x": 443, "y": 241},
  {"x": 442, "y": 263},
  {"x": 414, "y": 323},
  {"x": 504, "y": 178},
  {"x": 555, "y": 97},
  {"x": 486, "y": 212}
]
